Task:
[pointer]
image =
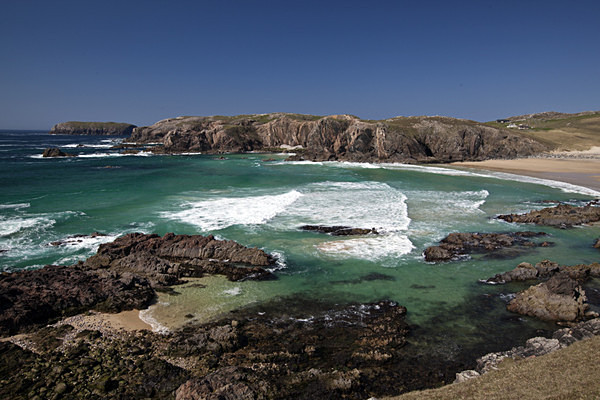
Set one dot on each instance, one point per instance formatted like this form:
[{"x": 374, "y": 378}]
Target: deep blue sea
[{"x": 262, "y": 203}]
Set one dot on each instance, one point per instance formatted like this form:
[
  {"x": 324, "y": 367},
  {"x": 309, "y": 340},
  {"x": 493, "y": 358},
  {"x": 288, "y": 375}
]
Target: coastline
[{"x": 573, "y": 167}]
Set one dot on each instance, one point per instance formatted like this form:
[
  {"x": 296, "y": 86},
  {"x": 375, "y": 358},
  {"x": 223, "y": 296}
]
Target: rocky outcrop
[
  {"x": 534, "y": 347},
  {"x": 340, "y": 137},
  {"x": 92, "y": 128},
  {"x": 55, "y": 152},
  {"x": 164, "y": 260},
  {"x": 456, "y": 245},
  {"x": 339, "y": 230},
  {"x": 562, "y": 216},
  {"x": 121, "y": 276},
  {"x": 36, "y": 297},
  {"x": 558, "y": 299},
  {"x": 545, "y": 269}
]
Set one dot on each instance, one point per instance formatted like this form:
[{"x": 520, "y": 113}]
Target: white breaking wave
[
  {"x": 157, "y": 327},
  {"x": 233, "y": 291},
  {"x": 373, "y": 248},
  {"x": 359, "y": 205},
  {"x": 220, "y": 213},
  {"x": 356, "y": 204},
  {"x": 14, "y": 206},
  {"x": 12, "y": 225}
]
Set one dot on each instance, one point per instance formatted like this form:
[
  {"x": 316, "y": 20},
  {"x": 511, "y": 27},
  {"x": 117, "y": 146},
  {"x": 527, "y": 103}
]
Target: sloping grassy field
[{"x": 569, "y": 373}]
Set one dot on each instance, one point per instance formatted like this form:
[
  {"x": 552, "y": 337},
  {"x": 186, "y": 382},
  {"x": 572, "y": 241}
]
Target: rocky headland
[
  {"x": 340, "y": 137},
  {"x": 92, "y": 128}
]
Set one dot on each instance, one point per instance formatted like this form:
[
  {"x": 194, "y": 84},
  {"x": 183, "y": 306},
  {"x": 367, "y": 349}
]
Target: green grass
[{"x": 570, "y": 373}]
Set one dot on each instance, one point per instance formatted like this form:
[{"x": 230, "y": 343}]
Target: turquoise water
[{"x": 259, "y": 203}]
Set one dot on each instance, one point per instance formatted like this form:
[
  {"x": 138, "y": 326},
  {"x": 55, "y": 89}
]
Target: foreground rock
[
  {"x": 340, "y": 137},
  {"x": 456, "y": 245},
  {"x": 92, "y": 128},
  {"x": 546, "y": 269},
  {"x": 164, "y": 260},
  {"x": 562, "y": 216},
  {"x": 534, "y": 347},
  {"x": 339, "y": 230},
  {"x": 121, "y": 276},
  {"x": 236, "y": 357},
  {"x": 37, "y": 297},
  {"x": 558, "y": 299},
  {"x": 55, "y": 152}
]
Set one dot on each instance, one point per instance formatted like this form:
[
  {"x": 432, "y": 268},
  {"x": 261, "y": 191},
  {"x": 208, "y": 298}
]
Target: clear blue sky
[{"x": 142, "y": 61}]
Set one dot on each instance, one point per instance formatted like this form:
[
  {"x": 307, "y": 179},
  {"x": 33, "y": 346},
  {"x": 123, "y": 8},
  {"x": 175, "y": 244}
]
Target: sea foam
[{"x": 220, "y": 213}]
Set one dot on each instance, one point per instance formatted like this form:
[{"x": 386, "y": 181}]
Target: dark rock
[
  {"x": 92, "y": 128},
  {"x": 338, "y": 230},
  {"x": 164, "y": 260},
  {"x": 561, "y": 216},
  {"x": 36, "y": 297},
  {"x": 546, "y": 269},
  {"x": 75, "y": 239},
  {"x": 55, "y": 152},
  {"x": 456, "y": 245},
  {"x": 340, "y": 137},
  {"x": 559, "y": 299},
  {"x": 535, "y": 347}
]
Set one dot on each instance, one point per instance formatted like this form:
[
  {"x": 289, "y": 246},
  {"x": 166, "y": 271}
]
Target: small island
[{"x": 92, "y": 128}]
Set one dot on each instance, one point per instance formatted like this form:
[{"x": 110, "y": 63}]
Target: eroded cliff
[
  {"x": 340, "y": 137},
  {"x": 92, "y": 128}
]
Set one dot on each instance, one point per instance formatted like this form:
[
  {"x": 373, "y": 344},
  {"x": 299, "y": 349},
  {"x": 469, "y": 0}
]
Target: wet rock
[
  {"x": 55, "y": 152},
  {"x": 559, "y": 299},
  {"x": 546, "y": 269},
  {"x": 164, "y": 260},
  {"x": 339, "y": 230},
  {"x": 534, "y": 347},
  {"x": 75, "y": 239},
  {"x": 456, "y": 245},
  {"x": 36, "y": 297},
  {"x": 597, "y": 244},
  {"x": 561, "y": 216}
]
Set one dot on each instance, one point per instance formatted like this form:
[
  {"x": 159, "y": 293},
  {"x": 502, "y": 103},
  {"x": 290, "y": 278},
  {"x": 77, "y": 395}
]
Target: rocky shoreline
[
  {"x": 374, "y": 351},
  {"x": 339, "y": 137}
]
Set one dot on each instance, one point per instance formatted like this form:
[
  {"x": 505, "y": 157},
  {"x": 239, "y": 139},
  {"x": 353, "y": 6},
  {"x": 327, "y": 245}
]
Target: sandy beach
[{"x": 578, "y": 168}]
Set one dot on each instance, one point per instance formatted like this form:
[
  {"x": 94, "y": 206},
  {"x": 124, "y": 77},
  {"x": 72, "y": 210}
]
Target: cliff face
[
  {"x": 92, "y": 128},
  {"x": 341, "y": 137}
]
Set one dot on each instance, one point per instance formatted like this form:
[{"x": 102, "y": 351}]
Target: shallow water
[{"x": 262, "y": 204}]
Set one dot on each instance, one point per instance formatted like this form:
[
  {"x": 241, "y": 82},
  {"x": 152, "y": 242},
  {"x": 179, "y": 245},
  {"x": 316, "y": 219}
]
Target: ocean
[{"x": 261, "y": 202}]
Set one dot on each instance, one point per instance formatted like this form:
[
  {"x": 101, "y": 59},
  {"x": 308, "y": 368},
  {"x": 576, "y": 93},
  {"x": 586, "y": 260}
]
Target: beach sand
[
  {"x": 105, "y": 322},
  {"x": 564, "y": 167}
]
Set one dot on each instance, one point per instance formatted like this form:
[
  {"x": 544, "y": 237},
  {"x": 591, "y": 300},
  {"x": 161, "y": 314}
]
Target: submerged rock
[
  {"x": 338, "y": 230},
  {"x": 457, "y": 244},
  {"x": 55, "y": 152},
  {"x": 559, "y": 299},
  {"x": 562, "y": 216}
]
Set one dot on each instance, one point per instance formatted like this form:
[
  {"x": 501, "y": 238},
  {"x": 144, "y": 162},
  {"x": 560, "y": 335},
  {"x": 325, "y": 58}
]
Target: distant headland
[{"x": 93, "y": 128}]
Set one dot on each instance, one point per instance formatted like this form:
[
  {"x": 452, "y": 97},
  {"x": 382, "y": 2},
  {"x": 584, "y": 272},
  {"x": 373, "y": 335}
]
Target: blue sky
[{"x": 142, "y": 61}]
